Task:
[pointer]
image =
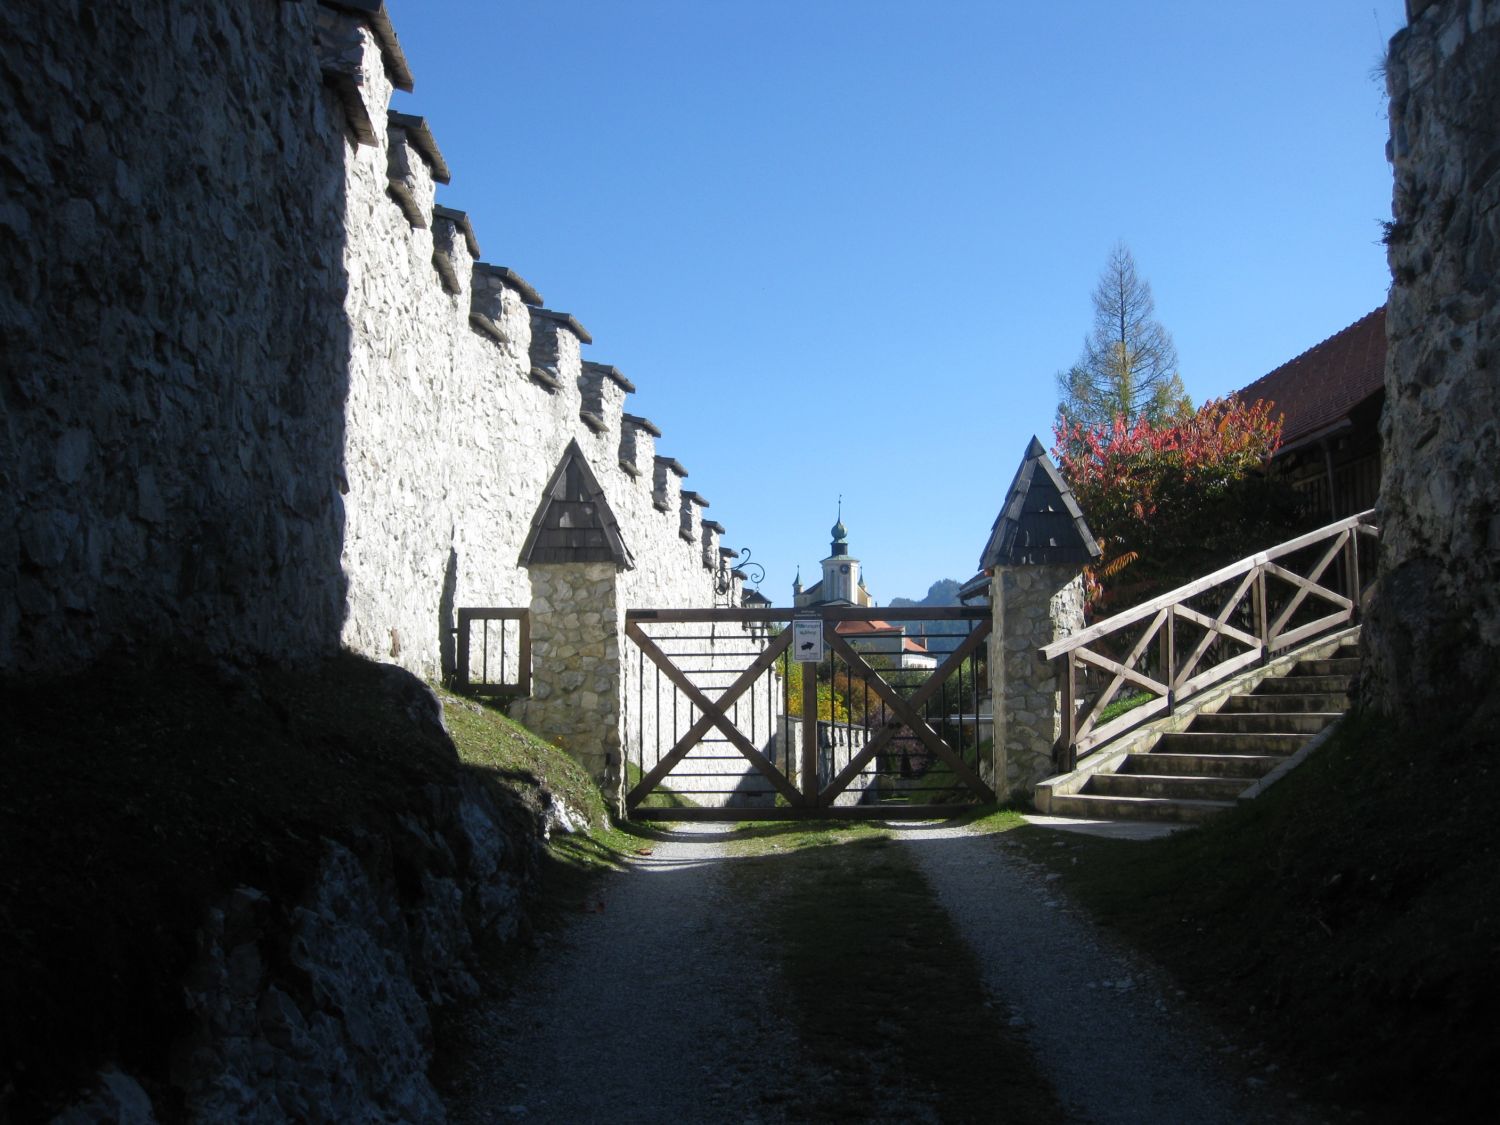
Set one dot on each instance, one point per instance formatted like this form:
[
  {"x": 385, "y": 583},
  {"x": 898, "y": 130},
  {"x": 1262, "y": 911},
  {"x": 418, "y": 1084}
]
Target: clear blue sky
[{"x": 844, "y": 246}]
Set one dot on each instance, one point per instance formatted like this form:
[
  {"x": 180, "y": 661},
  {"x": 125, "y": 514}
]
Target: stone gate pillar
[
  {"x": 1033, "y": 606},
  {"x": 575, "y": 553},
  {"x": 577, "y": 641},
  {"x": 1035, "y": 557}
]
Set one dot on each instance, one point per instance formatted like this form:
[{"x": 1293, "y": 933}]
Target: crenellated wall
[
  {"x": 261, "y": 388},
  {"x": 1433, "y": 637}
]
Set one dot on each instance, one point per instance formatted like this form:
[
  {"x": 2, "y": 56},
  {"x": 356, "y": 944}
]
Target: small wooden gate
[{"x": 725, "y": 721}]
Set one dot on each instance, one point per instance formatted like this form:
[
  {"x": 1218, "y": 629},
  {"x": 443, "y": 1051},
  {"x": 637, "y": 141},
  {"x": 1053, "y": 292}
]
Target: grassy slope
[
  {"x": 1350, "y": 919},
  {"x": 136, "y": 793}
]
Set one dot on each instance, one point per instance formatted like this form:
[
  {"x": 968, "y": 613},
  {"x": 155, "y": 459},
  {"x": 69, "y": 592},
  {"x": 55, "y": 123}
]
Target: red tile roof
[
  {"x": 1322, "y": 385},
  {"x": 857, "y": 628}
]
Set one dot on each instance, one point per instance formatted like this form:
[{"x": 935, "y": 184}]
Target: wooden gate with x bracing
[{"x": 878, "y": 712}]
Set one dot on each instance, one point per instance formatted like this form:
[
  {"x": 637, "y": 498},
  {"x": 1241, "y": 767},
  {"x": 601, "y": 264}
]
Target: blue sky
[{"x": 844, "y": 247}]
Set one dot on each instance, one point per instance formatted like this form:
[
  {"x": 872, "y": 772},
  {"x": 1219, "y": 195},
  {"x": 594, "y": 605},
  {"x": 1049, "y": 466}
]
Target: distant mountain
[
  {"x": 939, "y": 636},
  {"x": 942, "y": 592}
]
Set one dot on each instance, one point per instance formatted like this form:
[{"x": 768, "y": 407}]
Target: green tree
[{"x": 1129, "y": 364}]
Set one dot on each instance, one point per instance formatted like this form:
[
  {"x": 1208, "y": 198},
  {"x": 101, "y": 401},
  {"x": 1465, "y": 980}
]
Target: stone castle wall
[
  {"x": 261, "y": 390},
  {"x": 1434, "y": 631},
  {"x": 172, "y": 333}
]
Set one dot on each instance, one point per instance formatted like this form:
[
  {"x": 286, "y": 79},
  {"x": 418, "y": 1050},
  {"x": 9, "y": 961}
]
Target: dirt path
[
  {"x": 658, "y": 1005},
  {"x": 648, "y": 1009},
  {"x": 1117, "y": 1044}
]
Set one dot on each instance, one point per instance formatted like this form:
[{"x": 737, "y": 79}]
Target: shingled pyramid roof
[
  {"x": 574, "y": 522},
  {"x": 1040, "y": 523}
]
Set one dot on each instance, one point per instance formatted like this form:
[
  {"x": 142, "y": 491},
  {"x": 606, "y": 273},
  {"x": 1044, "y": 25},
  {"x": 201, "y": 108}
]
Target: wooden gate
[{"x": 879, "y": 712}]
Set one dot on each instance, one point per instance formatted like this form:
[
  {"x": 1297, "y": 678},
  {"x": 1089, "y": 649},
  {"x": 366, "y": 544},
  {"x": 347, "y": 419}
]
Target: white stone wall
[
  {"x": 451, "y": 439},
  {"x": 838, "y": 743},
  {"x": 262, "y": 391}
]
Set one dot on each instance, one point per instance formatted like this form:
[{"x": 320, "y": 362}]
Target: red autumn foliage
[{"x": 1172, "y": 500}]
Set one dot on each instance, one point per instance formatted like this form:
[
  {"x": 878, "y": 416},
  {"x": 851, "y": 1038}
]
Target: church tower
[{"x": 841, "y": 569}]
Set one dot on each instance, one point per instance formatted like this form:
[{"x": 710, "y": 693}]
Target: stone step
[
  {"x": 1195, "y": 787},
  {"x": 1085, "y": 807},
  {"x": 1328, "y": 666},
  {"x": 1264, "y": 722},
  {"x": 1196, "y": 742},
  {"x": 1249, "y": 766},
  {"x": 1303, "y": 685},
  {"x": 1283, "y": 703}
]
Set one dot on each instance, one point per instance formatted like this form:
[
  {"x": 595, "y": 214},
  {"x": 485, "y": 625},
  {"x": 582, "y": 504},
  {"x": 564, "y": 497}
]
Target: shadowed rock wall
[
  {"x": 172, "y": 334},
  {"x": 1434, "y": 630}
]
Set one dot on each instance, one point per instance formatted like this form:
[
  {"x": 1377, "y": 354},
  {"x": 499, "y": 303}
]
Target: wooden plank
[
  {"x": 1219, "y": 671},
  {"x": 713, "y": 715},
  {"x": 1089, "y": 656},
  {"x": 1121, "y": 723},
  {"x": 920, "y": 697},
  {"x": 1123, "y": 669},
  {"x": 1307, "y": 585},
  {"x": 1311, "y": 629},
  {"x": 523, "y": 657},
  {"x": 907, "y": 714},
  {"x": 1215, "y": 627},
  {"x": 461, "y": 662},
  {"x": 1219, "y": 626},
  {"x": 828, "y": 613},
  {"x": 1066, "y": 753}
]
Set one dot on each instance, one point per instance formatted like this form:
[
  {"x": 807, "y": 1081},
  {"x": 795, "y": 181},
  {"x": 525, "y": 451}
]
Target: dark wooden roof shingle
[
  {"x": 574, "y": 522},
  {"x": 1040, "y": 523}
]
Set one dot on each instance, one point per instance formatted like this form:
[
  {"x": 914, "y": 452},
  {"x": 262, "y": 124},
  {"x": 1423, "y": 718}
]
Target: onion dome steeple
[{"x": 840, "y": 533}]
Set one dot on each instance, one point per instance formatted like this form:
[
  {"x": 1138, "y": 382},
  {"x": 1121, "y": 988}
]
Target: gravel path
[
  {"x": 656, "y": 1005},
  {"x": 650, "y": 1009},
  {"x": 1117, "y": 1046}
]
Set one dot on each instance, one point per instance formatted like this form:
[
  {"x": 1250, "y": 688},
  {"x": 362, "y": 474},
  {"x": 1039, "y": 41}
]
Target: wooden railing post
[
  {"x": 461, "y": 669},
  {"x": 1262, "y": 618},
  {"x": 1169, "y": 667},
  {"x": 1068, "y": 748},
  {"x": 1352, "y": 570}
]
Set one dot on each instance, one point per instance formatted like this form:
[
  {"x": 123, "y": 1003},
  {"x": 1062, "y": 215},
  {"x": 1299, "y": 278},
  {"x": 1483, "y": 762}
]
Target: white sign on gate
[{"x": 807, "y": 640}]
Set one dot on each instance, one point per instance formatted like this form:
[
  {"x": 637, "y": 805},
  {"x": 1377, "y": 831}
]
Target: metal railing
[{"x": 1180, "y": 643}]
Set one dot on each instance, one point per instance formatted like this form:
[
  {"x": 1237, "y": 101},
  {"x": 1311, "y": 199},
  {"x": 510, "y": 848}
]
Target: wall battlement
[{"x": 344, "y": 432}]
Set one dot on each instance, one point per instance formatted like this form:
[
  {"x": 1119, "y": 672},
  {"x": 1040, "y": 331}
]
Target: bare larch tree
[{"x": 1129, "y": 363}]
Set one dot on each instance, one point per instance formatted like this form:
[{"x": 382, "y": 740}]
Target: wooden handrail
[
  {"x": 1207, "y": 582},
  {"x": 1180, "y": 675}
]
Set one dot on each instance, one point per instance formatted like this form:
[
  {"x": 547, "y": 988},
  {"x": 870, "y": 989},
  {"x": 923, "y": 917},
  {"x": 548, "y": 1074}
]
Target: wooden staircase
[{"x": 1192, "y": 774}]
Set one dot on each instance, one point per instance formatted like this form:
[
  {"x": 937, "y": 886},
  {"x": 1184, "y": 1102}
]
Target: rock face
[
  {"x": 1434, "y": 631},
  {"x": 317, "y": 1005}
]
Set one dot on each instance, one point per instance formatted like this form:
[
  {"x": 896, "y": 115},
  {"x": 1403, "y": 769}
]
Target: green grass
[
  {"x": 1349, "y": 919},
  {"x": 892, "y": 1019},
  {"x": 1124, "y": 705}
]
